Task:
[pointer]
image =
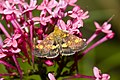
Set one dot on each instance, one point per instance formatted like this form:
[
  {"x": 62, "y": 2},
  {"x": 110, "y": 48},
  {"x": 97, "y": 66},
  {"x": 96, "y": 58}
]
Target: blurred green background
[{"x": 107, "y": 55}]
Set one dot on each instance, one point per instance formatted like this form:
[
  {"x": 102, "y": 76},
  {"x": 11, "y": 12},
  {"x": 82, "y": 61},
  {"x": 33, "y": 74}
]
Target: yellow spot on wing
[
  {"x": 39, "y": 46},
  {"x": 64, "y": 35},
  {"x": 78, "y": 40},
  {"x": 53, "y": 47},
  {"x": 64, "y": 45},
  {"x": 69, "y": 42},
  {"x": 49, "y": 46}
]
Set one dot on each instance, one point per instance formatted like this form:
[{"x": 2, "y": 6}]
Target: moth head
[{"x": 57, "y": 31}]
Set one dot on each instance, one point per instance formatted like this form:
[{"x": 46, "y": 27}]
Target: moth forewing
[
  {"x": 67, "y": 51},
  {"x": 59, "y": 42},
  {"x": 53, "y": 53},
  {"x": 75, "y": 43},
  {"x": 45, "y": 48},
  {"x": 38, "y": 52}
]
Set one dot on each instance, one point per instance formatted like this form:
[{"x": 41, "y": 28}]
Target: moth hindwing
[{"x": 59, "y": 42}]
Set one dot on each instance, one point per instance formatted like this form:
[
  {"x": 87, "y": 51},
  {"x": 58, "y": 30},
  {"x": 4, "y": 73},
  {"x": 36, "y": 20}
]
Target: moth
[{"x": 59, "y": 42}]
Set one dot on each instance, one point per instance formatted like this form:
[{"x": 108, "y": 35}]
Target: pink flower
[
  {"x": 11, "y": 44},
  {"x": 62, "y": 24},
  {"x": 99, "y": 76},
  {"x": 105, "y": 28},
  {"x": 2, "y": 54},
  {"x": 30, "y": 7},
  {"x": 1, "y": 42},
  {"x": 71, "y": 27},
  {"x": 51, "y": 76},
  {"x": 43, "y": 19},
  {"x": 78, "y": 13},
  {"x": 9, "y": 9},
  {"x": 16, "y": 1},
  {"x": 1, "y": 7},
  {"x": 11, "y": 41},
  {"x": 49, "y": 63},
  {"x": 71, "y": 2},
  {"x": 110, "y": 35},
  {"x": 62, "y": 4},
  {"x": 59, "y": 9},
  {"x": 46, "y": 5}
]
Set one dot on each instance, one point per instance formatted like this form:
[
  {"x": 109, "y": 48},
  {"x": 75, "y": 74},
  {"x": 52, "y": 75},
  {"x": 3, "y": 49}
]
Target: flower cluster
[{"x": 23, "y": 29}]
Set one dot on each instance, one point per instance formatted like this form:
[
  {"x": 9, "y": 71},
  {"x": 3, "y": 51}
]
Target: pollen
[{"x": 64, "y": 45}]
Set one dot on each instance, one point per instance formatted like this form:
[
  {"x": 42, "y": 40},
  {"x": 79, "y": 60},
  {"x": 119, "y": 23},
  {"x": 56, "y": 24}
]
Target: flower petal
[
  {"x": 36, "y": 18},
  {"x": 15, "y": 50},
  {"x": 72, "y": 1},
  {"x": 8, "y": 44},
  {"x": 61, "y": 24},
  {"x": 14, "y": 43},
  {"x": 16, "y": 36},
  {"x": 96, "y": 72},
  {"x": 49, "y": 63},
  {"x": 8, "y": 11},
  {"x": 52, "y": 4},
  {"x": 2, "y": 55},
  {"x": 107, "y": 26},
  {"x": 105, "y": 77},
  {"x": 6, "y": 40},
  {"x": 97, "y": 25},
  {"x": 51, "y": 76},
  {"x": 33, "y": 3},
  {"x": 1, "y": 42}
]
